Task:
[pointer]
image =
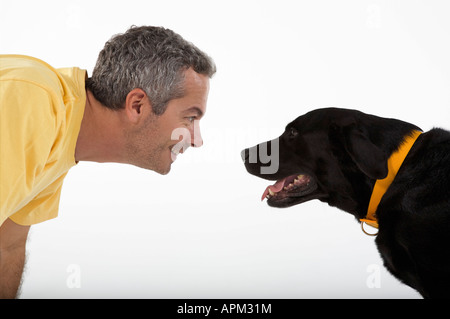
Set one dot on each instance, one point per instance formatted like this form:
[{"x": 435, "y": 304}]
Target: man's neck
[{"x": 101, "y": 134}]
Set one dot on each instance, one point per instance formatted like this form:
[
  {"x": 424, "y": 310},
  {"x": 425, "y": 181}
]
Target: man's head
[
  {"x": 159, "y": 83},
  {"x": 150, "y": 58}
]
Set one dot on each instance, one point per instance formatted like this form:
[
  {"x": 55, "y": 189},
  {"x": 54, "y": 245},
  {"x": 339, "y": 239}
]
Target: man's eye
[{"x": 191, "y": 119}]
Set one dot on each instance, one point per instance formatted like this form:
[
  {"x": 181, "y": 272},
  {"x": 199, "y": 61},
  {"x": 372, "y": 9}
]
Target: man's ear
[
  {"x": 369, "y": 158},
  {"x": 137, "y": 105}
]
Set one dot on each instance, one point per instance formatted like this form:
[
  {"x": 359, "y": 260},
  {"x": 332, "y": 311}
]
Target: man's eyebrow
[{"x": 196, "y": 110}]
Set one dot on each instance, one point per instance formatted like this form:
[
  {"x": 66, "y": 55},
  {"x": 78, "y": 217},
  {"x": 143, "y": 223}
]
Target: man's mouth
[
  {"x": 174, "y": 151},
  {"x": 173, "y": 155},
  {"x": 177, "y": 149},
  {"x": 289, "y": 190}
]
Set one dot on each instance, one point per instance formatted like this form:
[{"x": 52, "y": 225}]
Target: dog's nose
[{"x": 244, "y": 155}]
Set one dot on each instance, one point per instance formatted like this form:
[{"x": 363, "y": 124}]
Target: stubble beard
[{"x": 141, "y": 152}]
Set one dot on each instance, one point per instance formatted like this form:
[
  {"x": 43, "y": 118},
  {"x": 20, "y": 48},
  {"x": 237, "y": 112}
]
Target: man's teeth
[{"x": 174, "y": 154}]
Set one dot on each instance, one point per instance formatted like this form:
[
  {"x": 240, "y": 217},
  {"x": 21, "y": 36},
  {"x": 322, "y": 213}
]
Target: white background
[{"x": 201, "y": 231}]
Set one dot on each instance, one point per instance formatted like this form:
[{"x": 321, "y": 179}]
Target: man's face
[{"x": 163, "y": 137}]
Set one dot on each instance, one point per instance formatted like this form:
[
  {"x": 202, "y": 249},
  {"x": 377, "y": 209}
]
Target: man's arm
[{"x": 13, "y": 238}]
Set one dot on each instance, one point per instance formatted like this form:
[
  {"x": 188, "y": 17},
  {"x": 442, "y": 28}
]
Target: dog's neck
[
  {"x": 382, "y": 185},
  {"x": 354, "y": 196}
]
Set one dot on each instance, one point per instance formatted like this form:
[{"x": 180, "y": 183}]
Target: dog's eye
[{"x": 293, "y": 132}]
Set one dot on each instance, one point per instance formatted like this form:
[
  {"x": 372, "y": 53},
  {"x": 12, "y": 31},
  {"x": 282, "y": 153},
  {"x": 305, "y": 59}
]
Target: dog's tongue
[{"x": 278, "y": 186}]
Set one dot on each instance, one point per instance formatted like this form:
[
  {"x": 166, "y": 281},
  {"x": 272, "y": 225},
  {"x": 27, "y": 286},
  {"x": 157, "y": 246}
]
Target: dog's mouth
[{"x": 290, "y": 190}]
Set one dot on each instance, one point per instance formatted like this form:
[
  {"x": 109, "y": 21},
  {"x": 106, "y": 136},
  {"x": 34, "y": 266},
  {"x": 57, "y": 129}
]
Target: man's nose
[
  {"x": 196, "y": 138},
  {"x": 197, "y": 142}
]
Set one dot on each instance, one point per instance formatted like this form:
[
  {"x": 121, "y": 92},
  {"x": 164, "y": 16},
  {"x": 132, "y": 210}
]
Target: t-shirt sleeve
[
  {"x": 27, "y": 132},
  {"x": 42, "y": 207}
]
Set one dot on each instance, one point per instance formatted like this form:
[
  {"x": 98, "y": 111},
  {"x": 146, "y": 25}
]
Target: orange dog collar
[{"x": 395, "y": 161}]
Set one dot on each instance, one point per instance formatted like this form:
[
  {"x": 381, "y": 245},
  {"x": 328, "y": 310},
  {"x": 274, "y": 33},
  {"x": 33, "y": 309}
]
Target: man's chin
[
  {"x": 164, "y": 172},
  {"x": 160, "y": 170}
]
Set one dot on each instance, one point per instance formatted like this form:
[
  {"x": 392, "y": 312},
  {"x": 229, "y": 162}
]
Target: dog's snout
[{"x": 244, "y": 155}]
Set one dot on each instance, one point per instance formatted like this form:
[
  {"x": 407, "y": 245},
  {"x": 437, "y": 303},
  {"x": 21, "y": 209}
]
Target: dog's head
[{"x": 334, "y": 155}]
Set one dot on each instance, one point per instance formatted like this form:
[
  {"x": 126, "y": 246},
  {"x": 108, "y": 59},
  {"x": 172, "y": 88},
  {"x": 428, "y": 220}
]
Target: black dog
[{"x": 337, "y": 155}]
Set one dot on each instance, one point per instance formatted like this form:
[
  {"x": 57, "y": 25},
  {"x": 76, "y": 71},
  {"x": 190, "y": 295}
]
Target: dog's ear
[{"x": 369, "y": 158}]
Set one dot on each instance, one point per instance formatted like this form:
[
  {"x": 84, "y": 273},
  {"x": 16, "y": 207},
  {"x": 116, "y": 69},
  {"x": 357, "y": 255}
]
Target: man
[{"x": 141, "y": 106}]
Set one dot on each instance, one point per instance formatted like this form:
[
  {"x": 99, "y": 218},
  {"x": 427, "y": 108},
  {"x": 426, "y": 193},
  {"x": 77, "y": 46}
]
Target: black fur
[{"x": 344, "y": 152}]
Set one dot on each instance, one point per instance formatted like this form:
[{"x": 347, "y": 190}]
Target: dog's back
[{"x": 415, "y": 214}]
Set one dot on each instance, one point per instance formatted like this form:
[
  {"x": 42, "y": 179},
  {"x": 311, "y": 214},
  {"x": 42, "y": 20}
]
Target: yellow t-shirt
[{"x": 41, "y": 109}]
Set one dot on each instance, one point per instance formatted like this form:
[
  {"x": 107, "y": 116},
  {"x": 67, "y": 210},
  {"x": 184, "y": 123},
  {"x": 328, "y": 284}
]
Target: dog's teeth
[{"x": 271, "y": 192}]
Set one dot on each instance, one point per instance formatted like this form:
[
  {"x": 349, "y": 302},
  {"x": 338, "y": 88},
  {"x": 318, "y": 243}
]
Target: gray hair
[{"x": 150, "y": 58}]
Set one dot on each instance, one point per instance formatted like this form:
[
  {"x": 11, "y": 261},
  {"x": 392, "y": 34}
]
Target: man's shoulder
[{"x": 30, "y": 70}]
